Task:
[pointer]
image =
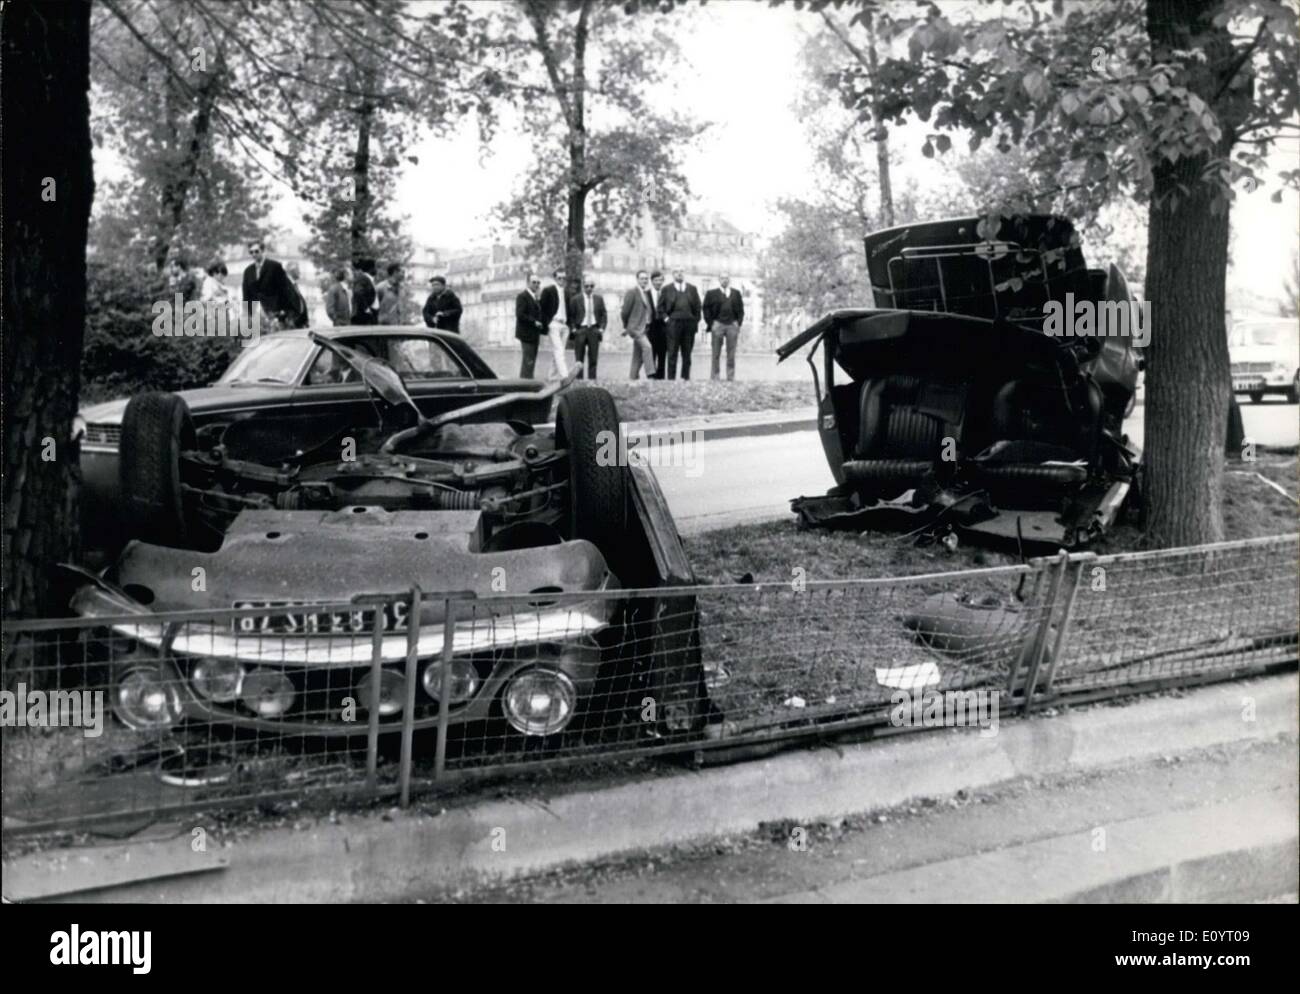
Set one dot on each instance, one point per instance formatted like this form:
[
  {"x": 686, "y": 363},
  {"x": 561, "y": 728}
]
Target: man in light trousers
[{"x": 637, "y": 312}]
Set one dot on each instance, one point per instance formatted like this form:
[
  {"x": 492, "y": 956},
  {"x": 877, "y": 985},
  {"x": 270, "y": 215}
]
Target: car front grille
[
  {"x": 104, "y": 434},
  {"x": 1251, "y": 367}
]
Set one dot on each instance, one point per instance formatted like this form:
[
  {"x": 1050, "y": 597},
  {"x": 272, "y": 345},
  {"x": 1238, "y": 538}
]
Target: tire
[
  {"x": 1293, "y": 393},
  {"x": 586, "y": 424},
  {"x": 156, "y": 429},
  {"x": 1256, "y": 397}
]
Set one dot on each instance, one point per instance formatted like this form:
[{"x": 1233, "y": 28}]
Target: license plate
[
  {"x": 281, "y": 618},
  {"x": 1247, "y": 384}
]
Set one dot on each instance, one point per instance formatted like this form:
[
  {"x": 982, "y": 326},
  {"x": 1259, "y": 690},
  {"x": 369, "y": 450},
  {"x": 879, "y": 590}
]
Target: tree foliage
[{"x": 606, "y": 159}]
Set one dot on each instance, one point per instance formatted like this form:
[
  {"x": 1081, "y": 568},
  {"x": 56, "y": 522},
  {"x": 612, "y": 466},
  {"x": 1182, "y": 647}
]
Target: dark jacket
[
  {"x": 577, "y": 312},
  {"x": 550, "y": 303},
  {"x": 529, "y": 325},
  {"x": 713, "y": 301},
  {"x": 673, "y": 308},
  {"x": 442, "y": 310},
  {"x": 272, "y": 289},
  {"x": 365, "y": 300}
]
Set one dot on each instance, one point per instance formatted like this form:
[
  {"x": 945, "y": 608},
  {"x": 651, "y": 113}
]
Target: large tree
[
  {"x": 48, "y": 186},
  {"x": 1173, "y": 102},
  {"x": 606, "y": 157}
]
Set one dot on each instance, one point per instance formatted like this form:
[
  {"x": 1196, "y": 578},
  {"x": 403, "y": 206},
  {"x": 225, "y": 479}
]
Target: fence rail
[{"x": 131, "y": 716}]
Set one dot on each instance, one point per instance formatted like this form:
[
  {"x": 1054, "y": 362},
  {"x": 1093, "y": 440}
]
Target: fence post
[
  {"x": 444, "y": 693},
  {"x": 1076, "y": 566},
  {"x": 408, "y": 706},
  {"x": 1033, "y": 654},
  {"x": 372, "y": 713}
]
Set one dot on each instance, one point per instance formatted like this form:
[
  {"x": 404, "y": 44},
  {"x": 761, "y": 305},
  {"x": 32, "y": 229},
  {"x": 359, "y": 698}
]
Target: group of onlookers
[{"x": 662, "y": 321}]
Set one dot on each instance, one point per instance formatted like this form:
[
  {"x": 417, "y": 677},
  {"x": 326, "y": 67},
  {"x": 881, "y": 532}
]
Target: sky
[{"x": 741, "y": 73}]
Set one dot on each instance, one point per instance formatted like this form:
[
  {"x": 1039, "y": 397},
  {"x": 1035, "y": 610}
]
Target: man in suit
[
  {"x": 338, "y": 299},
  {"x": 390, "y": 296},
  {"x": 657, "y": 330},
  {"x": 637, "y": 311},
  {"x": 587, "y": 318},
  {"x": 267, "y": 284},
  {"x": 365, "y": 295},
  {"x": 724, "y": 313},
  {"x": 442, "y": 310},
  {"x": 529, "y": 324},
  {"x": 554, "y": 302},
  {"x": 679, "y": 306}
]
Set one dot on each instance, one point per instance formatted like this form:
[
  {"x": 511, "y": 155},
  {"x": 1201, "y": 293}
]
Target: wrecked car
[
  {"x": 303, "y": 519},
  {"x": 961, "y": 403}
]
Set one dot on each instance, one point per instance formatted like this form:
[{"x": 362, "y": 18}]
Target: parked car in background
[{"x": 1265, "y": 356}]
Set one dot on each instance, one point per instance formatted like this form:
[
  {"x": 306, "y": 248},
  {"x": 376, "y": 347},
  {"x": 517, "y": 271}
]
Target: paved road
[{"x": 740, "y": 480}]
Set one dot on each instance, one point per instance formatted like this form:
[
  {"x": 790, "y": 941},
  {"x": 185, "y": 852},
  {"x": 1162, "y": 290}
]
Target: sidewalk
[{"x": 435, "y": 851}]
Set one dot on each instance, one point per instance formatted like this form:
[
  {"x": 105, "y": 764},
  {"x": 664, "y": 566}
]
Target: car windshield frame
[{"x": 266, "y": 345}]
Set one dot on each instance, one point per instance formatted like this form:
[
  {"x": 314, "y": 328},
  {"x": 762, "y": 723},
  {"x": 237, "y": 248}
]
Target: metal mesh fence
[{"x": 122, "y": 716}]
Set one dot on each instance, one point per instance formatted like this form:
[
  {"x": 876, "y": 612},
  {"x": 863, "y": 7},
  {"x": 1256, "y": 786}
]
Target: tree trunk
[
  {"x": 358, "y": 240},
  {"x": 1187, "y": 383},
  {"x": 176, "y": 191},
  {"x": 882, "y": 133},
  {"x": 48, "y": 185}
]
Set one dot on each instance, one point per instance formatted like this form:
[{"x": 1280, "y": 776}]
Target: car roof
[{"x": 363, "y": 330}]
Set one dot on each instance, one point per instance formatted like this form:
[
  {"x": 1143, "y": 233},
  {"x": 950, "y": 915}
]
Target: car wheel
[
  {"x": 1293, "y": 394},
  {"x": 587, "y": 426},
  {"x": 156, "y": 429},
  {"x": 1256, "y": 397}
]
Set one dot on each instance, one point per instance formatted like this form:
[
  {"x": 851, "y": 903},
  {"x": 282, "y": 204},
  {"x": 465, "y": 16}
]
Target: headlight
[
  {"x": 539, "y": 701},
  {"x": 144, "y": 698},
  {"x": 392, "y": 692},
  {"x": 266, "y": 692},
  {"x": 463, "y": 683},
  {"x": 78, "y": 427},
  {"x": 218, "y": 680}
]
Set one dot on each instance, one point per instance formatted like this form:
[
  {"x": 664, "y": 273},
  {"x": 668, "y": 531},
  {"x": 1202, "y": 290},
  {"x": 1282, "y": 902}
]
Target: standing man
[
  {"x": 680, "y": 307},
  {"x": 657, "y": 331},
  {"x": 555, "y": 314},
  {"x": 724, "y": 313},
  {"x": 637, "y": 312},
  {"x": 529, "y": 325},
  {"x": 587, "y": 317},
  {"x": 442, "y": 310},
  {"x": 390, "y": 296},
  {"x": 338, "y": 299},
  {"x": 267, "y": 284},
  {"x": 365, "y": 295}
]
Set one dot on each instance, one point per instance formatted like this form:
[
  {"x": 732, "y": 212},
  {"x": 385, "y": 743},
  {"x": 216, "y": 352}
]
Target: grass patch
[
  {"x": 1140, "y": 620},
  {"x": 653, "y": 400}
]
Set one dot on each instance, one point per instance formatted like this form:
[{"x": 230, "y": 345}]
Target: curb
[
  {"x": 712, "y": 427},
  {"x": 369, "y": 859}
]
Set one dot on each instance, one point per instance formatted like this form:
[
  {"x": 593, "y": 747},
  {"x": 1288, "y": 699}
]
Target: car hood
[
  {"x": 199, "y": 400},
  {"x": 1262, "y": 353},
  {"x": 297, "y": 558}
]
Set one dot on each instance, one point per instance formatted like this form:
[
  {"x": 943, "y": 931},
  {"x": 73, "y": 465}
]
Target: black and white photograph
[{"x": 650, "y": 452}]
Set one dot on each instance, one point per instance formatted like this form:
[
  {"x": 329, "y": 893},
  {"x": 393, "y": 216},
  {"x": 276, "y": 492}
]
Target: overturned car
[
  {"x": 969, "y": 399},
  {"x": 288, "y": 534}
]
